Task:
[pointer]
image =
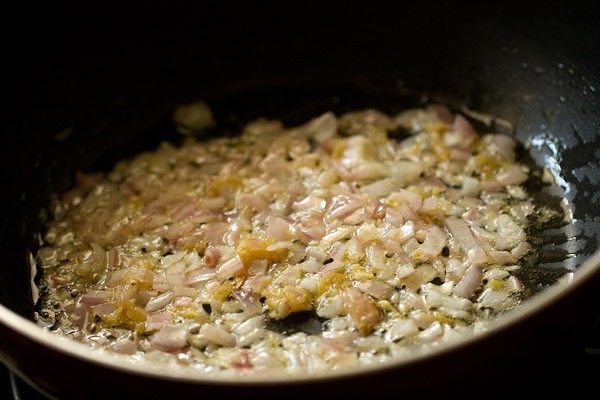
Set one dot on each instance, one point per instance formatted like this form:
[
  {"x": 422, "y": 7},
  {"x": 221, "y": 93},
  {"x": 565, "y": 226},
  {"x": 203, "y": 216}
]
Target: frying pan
[{"x": 89, "y": 88}]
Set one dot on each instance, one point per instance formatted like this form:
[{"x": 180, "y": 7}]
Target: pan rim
[{"x": 155, "y": 370}]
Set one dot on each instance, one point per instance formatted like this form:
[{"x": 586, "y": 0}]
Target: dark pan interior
[
  {"x": 87, "y": 86},
  {"x": 87, "y": 90}
]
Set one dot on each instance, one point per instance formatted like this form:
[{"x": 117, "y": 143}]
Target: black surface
[
  {"x": 13, "y": 388},
  {"x": 572, "y": 375},
  {"x": 58, "y": 56}
]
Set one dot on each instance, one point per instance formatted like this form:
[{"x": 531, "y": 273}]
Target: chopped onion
[
  {"x": 229, "y": 268},
  {"x": 460, "y": 230},
  {"x": 470, "y": 282},
  {"x": 159, "y": 302},
  {"x": 218, "y": 335},
  {"x": 170, "y": 338},
  {"x": 198, "y": 252}
]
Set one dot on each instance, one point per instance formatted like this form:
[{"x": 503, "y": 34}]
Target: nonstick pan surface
[{"x": 89, "y": 89}]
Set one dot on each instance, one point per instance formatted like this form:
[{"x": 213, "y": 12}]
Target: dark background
[{"x": 56, "y": 53}]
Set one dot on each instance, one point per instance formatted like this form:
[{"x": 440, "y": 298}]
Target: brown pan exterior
[{"x": 85, "y": 86}]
